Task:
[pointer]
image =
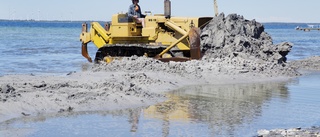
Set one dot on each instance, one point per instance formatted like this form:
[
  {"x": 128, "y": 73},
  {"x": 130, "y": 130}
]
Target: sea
[{"x": 53, "y": 48}]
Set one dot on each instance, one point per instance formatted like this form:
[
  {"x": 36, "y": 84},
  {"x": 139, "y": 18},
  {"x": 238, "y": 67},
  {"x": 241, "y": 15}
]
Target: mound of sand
[
  {"x": 293, "y": 132},
  {"x": 311, "y": 63},
  {"x": 232, "y": 36}
]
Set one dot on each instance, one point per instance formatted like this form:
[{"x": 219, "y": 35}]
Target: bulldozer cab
[
  {"x": 128, "y": 19},
  {"x": 124, "y": 26}
]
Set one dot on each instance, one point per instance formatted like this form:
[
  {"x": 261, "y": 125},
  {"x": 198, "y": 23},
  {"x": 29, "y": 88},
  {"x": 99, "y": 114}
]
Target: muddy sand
[
  {"x": 106, "y": 87},
  {"x": 235, "y": 51}
]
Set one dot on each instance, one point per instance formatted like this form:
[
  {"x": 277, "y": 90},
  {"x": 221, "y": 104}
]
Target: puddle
[{"x": 206, "y": 110}]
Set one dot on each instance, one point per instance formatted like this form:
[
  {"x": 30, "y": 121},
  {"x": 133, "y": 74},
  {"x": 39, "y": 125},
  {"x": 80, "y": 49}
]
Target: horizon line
[{"x": 33, "y": 20}]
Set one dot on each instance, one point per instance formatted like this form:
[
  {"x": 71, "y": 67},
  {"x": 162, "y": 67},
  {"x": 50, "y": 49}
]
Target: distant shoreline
[
  {"x": 32, "y": 20},
  {"x": 51, "y": 20}
]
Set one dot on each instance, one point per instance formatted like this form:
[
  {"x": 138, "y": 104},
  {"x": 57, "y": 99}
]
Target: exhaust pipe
[{"x": 167, "y": 8}]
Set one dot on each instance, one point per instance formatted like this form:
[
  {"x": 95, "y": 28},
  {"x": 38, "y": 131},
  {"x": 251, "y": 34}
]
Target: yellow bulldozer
[{"x": 163, "y": 37}]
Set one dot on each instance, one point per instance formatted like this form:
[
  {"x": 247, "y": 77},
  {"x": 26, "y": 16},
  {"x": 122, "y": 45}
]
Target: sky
[{"x": 306, "y": 11}]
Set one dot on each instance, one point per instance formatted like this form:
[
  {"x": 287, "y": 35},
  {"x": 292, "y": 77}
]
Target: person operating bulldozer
[{"x": 135, "y": 12}]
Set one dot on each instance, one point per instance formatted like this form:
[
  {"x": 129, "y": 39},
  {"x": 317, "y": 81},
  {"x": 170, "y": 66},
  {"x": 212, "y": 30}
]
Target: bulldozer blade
[
  {"x": 85, "y": 52},
  {"x": 194, "y": 38}
]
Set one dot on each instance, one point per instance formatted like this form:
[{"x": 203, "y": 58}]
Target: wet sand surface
[{"x": 215, "y": 110}]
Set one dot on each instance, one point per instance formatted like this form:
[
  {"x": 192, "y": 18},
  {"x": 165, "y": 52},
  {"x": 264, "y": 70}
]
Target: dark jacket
[{"x": 132, "y": 12}]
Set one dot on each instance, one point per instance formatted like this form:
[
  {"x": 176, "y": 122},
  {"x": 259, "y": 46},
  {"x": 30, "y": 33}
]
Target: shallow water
[
  {"x": 305, "y": 44},
  {"x": 54, "y": 47},
  {"x": 40, "y": 47},
  {"x": 207, "y": 110}
]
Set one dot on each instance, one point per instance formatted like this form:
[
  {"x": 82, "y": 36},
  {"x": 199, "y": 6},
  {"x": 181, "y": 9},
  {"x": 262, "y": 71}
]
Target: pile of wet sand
[
  {"x": 311, "y": 63},
  {"x": 233, "y": 36},
  {"x": 87, "y": 91},
  {"x": 293, "y": 132}
]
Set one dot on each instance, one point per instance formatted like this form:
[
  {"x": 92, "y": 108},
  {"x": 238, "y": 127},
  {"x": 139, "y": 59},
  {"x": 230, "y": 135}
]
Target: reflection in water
[
  {"x": 222, "y": 107},
  {"x": 134, "y": 119}
]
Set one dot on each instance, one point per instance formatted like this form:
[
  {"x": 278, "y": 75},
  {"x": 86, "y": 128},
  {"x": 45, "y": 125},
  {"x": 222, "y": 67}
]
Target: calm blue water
[
  {"x": 306, "y": 44},
  {"x": 230, "y": 110},
  {"x": 40, "y": 47}
]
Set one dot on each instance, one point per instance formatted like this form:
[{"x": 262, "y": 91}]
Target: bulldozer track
[{"x": 128, "y": 50}]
